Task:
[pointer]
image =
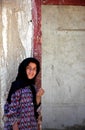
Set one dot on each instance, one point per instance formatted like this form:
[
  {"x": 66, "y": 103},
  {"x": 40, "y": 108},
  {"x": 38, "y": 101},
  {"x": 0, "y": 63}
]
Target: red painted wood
[
  {"x": 36, "y": 19},
  {"x": 63, "y": 2}
]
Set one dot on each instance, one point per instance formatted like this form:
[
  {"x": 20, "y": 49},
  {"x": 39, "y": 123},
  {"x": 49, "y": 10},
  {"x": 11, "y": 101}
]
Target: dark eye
[{"x": 31, "y": 69}]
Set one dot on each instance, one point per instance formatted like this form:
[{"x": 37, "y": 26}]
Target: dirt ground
[{"x": 76, "y": 128}]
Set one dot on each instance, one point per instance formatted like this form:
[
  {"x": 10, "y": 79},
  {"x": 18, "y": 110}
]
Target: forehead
[{"x": 32, "y": 64}]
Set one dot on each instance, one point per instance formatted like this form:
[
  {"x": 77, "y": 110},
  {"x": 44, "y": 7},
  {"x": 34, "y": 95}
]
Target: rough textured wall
[
  {"x": 15, "y": 41},
  {"x": 63, "y": 62}
]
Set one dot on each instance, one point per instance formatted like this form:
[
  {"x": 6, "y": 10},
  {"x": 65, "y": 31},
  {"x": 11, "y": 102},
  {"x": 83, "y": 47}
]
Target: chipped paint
[
  {"x": 36, "y": 17},
  {"x": 63, "y": 2}
]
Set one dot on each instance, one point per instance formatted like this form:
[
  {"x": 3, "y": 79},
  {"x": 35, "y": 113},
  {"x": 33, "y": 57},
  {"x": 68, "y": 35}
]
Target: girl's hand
[
  {"x": 40, "y": 92},
  {"x": 15, "y": 126}
]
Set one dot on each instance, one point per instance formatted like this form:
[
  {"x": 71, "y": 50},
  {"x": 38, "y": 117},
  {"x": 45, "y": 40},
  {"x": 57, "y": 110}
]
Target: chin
[{"x": 31, "y": 77}]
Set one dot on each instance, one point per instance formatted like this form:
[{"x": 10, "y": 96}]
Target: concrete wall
[
  {"x": 63, "y": 66},
  {"x": 15, "y": 42}
]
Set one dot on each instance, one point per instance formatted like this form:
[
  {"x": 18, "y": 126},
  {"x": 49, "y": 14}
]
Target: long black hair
[{"x": 23, "y": 81}]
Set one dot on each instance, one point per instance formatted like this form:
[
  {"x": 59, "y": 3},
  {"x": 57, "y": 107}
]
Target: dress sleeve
[{"x": 12, "y": 110}]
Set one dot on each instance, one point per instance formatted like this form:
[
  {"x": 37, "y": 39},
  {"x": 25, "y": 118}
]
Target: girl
[{"x": 23, "y": 98}]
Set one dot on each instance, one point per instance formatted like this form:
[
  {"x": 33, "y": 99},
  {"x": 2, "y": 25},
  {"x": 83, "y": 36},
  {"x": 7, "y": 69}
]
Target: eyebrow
[{"x": 31, "y": 67}]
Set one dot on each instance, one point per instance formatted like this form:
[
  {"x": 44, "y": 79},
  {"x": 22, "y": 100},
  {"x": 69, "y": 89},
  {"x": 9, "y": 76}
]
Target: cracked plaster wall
[{"x": 63, "y": 66}]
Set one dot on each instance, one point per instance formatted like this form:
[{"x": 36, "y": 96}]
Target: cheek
[
  {"x": 27, "y": 73},
  {"x": 34, "y": 73}
]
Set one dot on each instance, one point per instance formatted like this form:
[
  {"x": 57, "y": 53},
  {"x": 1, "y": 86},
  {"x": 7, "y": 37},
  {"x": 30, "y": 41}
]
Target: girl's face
[{"x": 31, "y": 70}]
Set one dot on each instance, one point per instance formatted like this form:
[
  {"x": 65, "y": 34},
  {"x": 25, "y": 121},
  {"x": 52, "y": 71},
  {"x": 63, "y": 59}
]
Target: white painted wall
[
  {"x": 63, "y": 65},
  {"x": 15, "y": 42}
]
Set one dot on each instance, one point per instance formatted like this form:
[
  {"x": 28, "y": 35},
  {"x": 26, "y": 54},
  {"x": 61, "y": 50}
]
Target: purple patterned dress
[{"x": 21, "y": 110}]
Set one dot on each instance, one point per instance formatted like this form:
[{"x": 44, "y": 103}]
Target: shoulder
[{"x": 16, "y": 85}]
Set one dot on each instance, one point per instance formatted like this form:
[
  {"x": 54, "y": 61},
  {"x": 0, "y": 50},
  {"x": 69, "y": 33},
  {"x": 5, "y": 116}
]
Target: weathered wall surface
[
  {"x": 63, "y": 65},
  {"x": 15, "y": 42}
]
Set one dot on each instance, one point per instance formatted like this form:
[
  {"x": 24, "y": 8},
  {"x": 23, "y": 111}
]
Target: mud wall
[{"x": 63, "y": 65}]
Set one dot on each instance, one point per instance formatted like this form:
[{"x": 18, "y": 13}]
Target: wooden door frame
[
  {"x": 37, "y": 34},
  {"x": 36, "y": 19},
  {"x": 64, "y": 2}
]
